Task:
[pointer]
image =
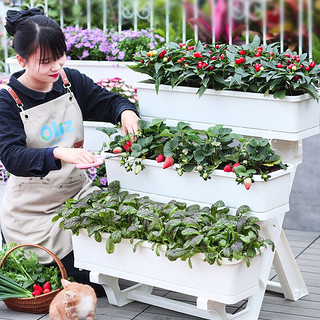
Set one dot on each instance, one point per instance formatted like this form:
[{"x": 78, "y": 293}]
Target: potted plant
[
  {"x": 97, "y": 52},
  {"x": 251, "y": 87},
  {"x": 93, "y": 139},
  {"x": 126, "y": 228},
  {"x": 199, "y": 164}
]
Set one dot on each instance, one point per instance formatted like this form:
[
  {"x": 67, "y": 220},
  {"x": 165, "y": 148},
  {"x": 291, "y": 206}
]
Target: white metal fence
[{"x": 146, "y": 10}]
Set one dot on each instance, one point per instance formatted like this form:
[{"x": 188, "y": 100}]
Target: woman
[{"x": 41, "y": 133}]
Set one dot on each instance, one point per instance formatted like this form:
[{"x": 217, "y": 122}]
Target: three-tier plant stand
[{"x": 208, "y": 306}]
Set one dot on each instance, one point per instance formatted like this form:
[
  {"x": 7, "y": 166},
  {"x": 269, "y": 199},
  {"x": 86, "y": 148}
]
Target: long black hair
[{"x": 31, "y": 29}]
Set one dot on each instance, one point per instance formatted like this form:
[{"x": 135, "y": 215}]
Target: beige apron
[{"x": 29, "y": 203}]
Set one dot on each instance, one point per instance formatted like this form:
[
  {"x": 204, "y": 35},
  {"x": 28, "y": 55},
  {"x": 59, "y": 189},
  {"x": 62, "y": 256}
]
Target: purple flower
[
  {"x": 121, "y": 55},
  {"x": 85, "y": 54},
  {"x": 108, "y": 44},
  {"x": 103, "y": 181}
]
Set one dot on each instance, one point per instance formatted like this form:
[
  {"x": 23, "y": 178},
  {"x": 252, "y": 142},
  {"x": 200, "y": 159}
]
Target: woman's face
[{"x": 46, "y": 71}]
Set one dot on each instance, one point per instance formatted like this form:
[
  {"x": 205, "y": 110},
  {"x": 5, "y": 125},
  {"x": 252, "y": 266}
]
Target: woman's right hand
[{"x": 73, "y": 155}]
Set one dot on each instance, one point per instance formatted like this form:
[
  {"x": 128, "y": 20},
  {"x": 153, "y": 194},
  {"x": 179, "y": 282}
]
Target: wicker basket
[{"x": 38, "y": 304}]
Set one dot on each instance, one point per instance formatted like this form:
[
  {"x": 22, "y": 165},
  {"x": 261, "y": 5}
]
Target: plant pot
[
  {"x": 219, "y": 283},
  {"x": 254, "y": 114},
  {"x": 93, "y": 138},
  {"x": 261, "y": 197},
  {"x": 96, "y": 70}
]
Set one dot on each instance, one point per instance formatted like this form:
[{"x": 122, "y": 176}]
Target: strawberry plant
[
  {"x": 201, "y": 150},
  {"x": 183, "y": 230},
  {"x": 250, "y": 67}
]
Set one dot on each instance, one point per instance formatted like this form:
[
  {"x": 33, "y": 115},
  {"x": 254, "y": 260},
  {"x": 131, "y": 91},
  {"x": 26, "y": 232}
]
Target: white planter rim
[
  {"x": 216, "y": 172},
  {"x": 146, "y": 244},
  {"x": 239, "y": 94}
]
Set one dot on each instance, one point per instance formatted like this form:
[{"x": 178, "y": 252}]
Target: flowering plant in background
[
  {"x": 117, "y": 85},
  {"x": 250, "y": 67},
  {"x": 98, "y": 175},
  {"x": 4, "y": 174},
  {"x": 108, "y": 45}
]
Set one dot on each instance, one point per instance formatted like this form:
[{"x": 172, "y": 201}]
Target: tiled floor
[{"x": 306, "y": 248}]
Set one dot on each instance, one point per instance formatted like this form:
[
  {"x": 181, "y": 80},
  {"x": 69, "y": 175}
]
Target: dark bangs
[{"x": 51, "y": 42}]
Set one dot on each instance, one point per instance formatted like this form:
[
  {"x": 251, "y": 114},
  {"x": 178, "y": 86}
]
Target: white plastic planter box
[
  {"x": 229, "y": 283},
  {"x": 261, "y": 197},
  {"x": 292, "y": 118},
  {"x": 93, "y": 138},
  {"x": 96, "y": 70}
]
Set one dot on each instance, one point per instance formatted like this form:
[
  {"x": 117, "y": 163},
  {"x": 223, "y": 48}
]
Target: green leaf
[
  {"x": 281, "y": 94},
  {"x": 157, "y": 66},
  {"x": 110, "y": 245}
]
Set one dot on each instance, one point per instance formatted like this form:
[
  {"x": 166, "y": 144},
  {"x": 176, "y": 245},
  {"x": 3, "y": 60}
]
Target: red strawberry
[
  {"x": 227, "y": 168},
  {"x": 235, "y": 165},
  {"x": 127, "y": 146},
  {"x": 117, "y": 150},
  {"x": 168, "y": 162},
  {"x": 247, "y": 183},
  {"x": 46, "y": 291},
  {"x": 160, "y": 158}
]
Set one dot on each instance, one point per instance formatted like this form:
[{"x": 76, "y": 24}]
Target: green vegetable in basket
[
  {"x": 24, "y": 268},
  {"x": 11, "y": 289}
]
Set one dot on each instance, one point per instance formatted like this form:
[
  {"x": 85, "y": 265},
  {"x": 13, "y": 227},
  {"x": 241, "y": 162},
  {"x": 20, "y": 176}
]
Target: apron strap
[
  {"x": 16, "y": 99},
  {"x": 66, "y": 83}
]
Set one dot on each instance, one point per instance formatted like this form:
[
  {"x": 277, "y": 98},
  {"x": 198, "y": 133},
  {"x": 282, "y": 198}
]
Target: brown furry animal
[{"x": 75, "y": 302}]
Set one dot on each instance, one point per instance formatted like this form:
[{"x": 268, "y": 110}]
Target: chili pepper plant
[
  {"x": 195, "y": 150},
  {"x": 249, "y": 67}
]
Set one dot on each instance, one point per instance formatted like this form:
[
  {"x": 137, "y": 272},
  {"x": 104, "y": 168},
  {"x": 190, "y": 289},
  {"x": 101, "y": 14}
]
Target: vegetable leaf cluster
[
  {"x": 24, "y": 268},
  {"x": 182, "y": 230}
]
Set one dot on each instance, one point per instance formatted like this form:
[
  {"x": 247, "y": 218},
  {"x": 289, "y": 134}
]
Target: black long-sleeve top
[{"x": 95, "y": 102}]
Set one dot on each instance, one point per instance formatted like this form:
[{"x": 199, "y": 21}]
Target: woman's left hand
[{"x": 129, "y": 122}]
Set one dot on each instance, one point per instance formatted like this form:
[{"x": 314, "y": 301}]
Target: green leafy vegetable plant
[
  {"x": 24, "y": 269},
  {"x": 250, "y": 67},
  {"x": 190, "y": 149},
  {"x": 11, "y": 289},
  {"x": 183, "y": 230}
]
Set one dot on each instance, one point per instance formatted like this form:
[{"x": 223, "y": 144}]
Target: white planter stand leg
[
  {"x": 115, "y": 295},
  {"x": 291, "y": 283}
]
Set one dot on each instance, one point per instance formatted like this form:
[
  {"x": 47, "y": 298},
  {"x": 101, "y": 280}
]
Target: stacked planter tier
[
  {"x": 96, "y": 70},
  {"x": 202, "y": 280},
  {"x": 261, "y": 197},
  {"x": 254, "y": 114},
  {"x": 285, "y": 121}
]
